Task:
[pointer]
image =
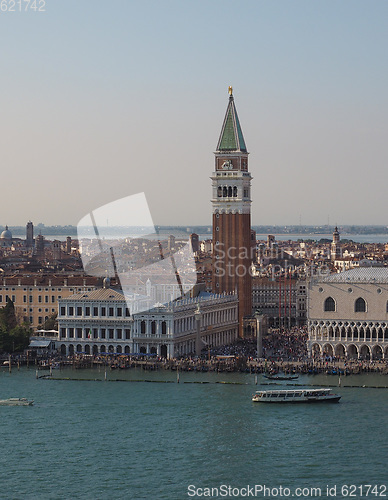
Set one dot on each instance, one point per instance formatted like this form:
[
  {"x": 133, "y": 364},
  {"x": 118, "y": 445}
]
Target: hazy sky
[{"x": 104, "y": 99}]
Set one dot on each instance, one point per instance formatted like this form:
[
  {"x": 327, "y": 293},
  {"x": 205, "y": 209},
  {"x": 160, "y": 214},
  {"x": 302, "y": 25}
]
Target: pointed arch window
[
  {"x": 225, "y": 191},
  {"x": 234, "y": 191},
  {"x": 229, "y": 191},
  {"x": 329, "y": 305},
  {"x": 360, "y": 305},
  {"x": 219, "y": 192}
]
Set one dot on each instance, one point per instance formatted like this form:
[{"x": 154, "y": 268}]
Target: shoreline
[{"x": 215, "y": 364}]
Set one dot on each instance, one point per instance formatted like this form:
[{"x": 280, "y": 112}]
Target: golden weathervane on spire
[{"x": 230, "y": 89}]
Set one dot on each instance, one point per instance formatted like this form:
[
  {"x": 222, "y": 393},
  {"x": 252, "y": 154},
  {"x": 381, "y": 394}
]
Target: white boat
[
  {"x": 16, "y": 402},
  {"x": 296, "y": 396}
]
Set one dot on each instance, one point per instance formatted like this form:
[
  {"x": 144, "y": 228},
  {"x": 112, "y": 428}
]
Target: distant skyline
[{"x": 102, "y": 101}]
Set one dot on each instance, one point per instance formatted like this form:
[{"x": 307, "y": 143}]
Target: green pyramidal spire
[{"x": 231, "y": 137}]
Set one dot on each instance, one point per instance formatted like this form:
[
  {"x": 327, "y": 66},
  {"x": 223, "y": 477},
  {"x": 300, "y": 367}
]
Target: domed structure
[
  {"x": 6, "y": 234},
  {"x": 6, "y": 238}
]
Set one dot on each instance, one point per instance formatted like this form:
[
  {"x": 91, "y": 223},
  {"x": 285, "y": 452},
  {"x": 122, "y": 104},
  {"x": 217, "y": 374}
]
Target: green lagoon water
[{"x": 150, "y": 440}]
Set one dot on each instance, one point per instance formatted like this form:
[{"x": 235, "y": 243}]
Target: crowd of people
[
  {"x": 278, "y": 344},
  {"x": 241, "y": 347},
  {"x": 290, "y": 345}
]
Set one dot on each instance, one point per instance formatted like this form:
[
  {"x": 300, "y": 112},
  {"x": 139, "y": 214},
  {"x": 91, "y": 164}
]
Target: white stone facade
[
  {"x": 348, "y": 314},
  {"x": 99, "y": 322},
  {"x": 153, "y": 331},
  {"x": 171, "y": 330},
  {"x": 218, "y": 325},
  {"x": 95, "y": 322}
]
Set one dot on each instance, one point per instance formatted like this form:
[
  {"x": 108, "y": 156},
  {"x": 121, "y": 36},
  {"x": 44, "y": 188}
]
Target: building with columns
[
  {"x": 99, "y": 322},
  {"x": 153, "y": 331},
  {"x": 231, "y": 201},
  {"x": 348, "y": 314},
  {"x": 218, "y": 321},
  {"x": 170, "y": 330},
  {"x": 95, "y": 322}
]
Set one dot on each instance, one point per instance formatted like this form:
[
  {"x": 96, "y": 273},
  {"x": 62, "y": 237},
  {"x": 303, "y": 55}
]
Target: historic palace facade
[
  {"x": 99, "y": 322},
  {"x": 170, "y": 330},
  {"x": 348, "y": 314},
  {"x": 95, "y": 322}
]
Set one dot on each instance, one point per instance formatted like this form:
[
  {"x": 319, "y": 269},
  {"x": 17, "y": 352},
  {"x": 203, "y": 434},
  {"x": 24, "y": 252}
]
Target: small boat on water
[
  {"x": 281, "y": 377},
  {"x": 16, "y": 402},
  {"x": 296, "y": 396}
]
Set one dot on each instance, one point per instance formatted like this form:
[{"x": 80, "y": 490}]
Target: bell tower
[
  {"x": 231, "y": 200},
  {"x": 336, "y": 246}
]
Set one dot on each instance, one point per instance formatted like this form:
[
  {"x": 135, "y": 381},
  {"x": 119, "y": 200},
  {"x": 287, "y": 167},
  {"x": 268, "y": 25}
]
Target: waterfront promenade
[
  {"x": 283, "y": 352},
  {"x": 218, "y": 364}
]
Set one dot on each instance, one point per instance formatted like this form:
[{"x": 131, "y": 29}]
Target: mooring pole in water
[
  {"x": 255, "y": 379},
  {"x": 18, "y": 365},
  {"x": 9, "y": 364},
  {"x": 177, "y": 376},
  {"x": 36, "y": 373},
  {"x": 105, "y": 375}
]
